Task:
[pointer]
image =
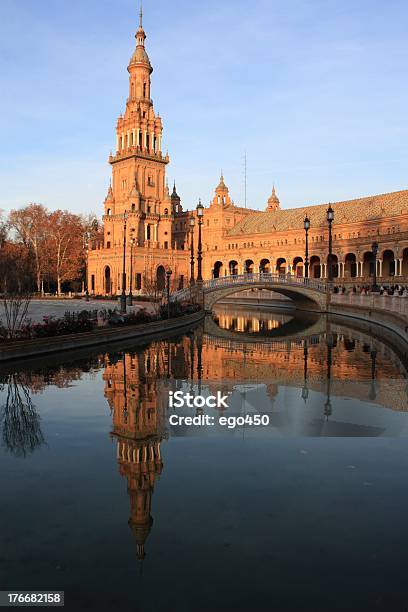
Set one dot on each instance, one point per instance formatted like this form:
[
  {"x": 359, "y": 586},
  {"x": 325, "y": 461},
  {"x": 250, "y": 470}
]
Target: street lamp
[
  {"x": 200, "y": 213},
  {"x": 123, "y": 295},
  {"x": 86, "y": 275},
  {"x": 374, "y": 250},
  {"x": 330, "y": 219},
  {"x": 130, "y": 296},
  {"x": 306, "y": 225},
  {"x": 168, "y": 274},
  {"x": 192, "y": 224}
]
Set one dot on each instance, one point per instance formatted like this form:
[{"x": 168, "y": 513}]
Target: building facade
[{"x": 147, "y": 232}]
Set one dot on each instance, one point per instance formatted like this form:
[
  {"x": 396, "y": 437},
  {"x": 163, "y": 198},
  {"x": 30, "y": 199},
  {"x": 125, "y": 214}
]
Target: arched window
[
  {"x": 133, "y": 207},
  {"x": 148, "y": 232},
  {"x": 144, "y": 89},
  {"x": 166, "y": 211},
  {"x": 108, "y": 212}
]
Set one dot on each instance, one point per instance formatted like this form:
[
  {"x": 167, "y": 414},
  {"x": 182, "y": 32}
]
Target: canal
[{"x": 111, "y": 496}]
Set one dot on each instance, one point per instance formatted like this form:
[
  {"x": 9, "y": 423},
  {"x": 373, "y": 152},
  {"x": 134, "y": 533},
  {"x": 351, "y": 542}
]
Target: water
[{"x": 104, "y": 499}]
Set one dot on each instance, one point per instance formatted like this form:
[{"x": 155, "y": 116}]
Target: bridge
[{"x": 306, "y": 293}]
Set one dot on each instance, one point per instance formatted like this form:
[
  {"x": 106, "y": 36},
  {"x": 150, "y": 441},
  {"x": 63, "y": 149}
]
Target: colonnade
[
  {"x": 136, "y": 137},
  {"x": 132, "y": 453}
]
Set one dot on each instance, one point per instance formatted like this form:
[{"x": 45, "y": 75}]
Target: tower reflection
[{"x": 138, "y": 406}]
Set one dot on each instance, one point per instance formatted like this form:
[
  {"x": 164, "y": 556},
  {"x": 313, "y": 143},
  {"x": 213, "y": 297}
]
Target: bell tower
[{"x": 138, "y": 164}]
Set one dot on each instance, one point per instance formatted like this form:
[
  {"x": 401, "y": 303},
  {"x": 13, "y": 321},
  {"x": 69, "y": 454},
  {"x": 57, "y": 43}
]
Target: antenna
[{"x": 245, "y": 179}]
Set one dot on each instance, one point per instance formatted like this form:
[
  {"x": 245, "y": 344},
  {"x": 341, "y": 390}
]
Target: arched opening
[
  {"x": 249, "y": 266},
  {"x": 217, "y": 269},
  {"x": 298, "y": 267},
  {"x": 108, "y": 282},
  {"x": 315, "y": 267},
  {"x": 161, "y": 278},
  {"x": 281, "y": 265},
  {"x": 265, "y": 266},
  {"x": 350, "y": 266},
  {"x": 166, "y": 211},
  {"x": 388, "y": 267},
  {"x": 404, "y": 270},
  {"x": 334, "y": 265},
  {"x": 233, "y": 268},
  {"x": 368, "y": 264}
]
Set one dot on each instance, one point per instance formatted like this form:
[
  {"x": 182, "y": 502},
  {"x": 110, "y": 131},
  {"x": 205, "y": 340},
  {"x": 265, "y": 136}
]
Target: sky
[{"x": 314, "y": 91}]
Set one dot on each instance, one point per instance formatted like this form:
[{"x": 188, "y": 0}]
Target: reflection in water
[
  {"x": 20, "y": 422},
  {"x": 317, "y": 364},
  {"x": 139, "y": 420},
  {"x": 249, "y": 321}
]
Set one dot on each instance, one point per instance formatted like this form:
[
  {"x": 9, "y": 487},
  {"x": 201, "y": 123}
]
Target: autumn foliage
[{"x": 40, "y": 247}]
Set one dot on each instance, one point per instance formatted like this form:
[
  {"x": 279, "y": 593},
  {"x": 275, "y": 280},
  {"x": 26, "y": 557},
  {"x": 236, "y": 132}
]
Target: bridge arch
[{"x": 307, "y": 294}]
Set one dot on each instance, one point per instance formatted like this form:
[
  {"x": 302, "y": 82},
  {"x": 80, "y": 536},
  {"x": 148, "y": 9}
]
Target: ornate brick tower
[
  {"x": 138, "y": 195},
  {"x": 273, "y": 202},
  {"x": 138, "y": 166}
]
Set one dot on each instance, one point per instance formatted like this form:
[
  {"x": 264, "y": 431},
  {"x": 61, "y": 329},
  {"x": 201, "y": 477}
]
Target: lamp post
[
  {"x": 168, "y": 274},
  {"x": 86, "y": 275},
  {"x": 192, "y": 224},
  {"x": 123, "y": 294},
  {"x": 330, "y": 219},
  {"x": 306, "y": 225},
  {"x": 130, "y": 296},
  {"x": 374, "y": 250},
  {"x": 200, "y": 213}
]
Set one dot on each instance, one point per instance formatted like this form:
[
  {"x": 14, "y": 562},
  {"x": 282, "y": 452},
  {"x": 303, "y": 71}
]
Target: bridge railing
[
  {"x": 265, "y": 277},
  {"x": 253, "y": 279}
]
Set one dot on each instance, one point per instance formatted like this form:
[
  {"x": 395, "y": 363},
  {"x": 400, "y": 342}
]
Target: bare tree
[
  {"x": 31, "y": 226},
  {"x": 15, "y": 312},
  {"x": 20, "y": 421}
]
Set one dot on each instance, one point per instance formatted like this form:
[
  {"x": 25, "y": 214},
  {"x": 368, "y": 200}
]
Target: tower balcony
[{"x": 136, "y": 151}]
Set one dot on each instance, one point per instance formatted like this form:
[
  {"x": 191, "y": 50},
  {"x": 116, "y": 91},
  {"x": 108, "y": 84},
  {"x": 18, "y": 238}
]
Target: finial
[{"x": 141, "y": 15}]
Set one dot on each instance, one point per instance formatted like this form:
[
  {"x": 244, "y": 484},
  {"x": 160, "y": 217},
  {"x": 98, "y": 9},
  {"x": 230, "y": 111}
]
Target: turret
[
  {"x": 222, "y": 197},
  {"x": 175, "y": 200},
  {"x": 273, "y": 202}
]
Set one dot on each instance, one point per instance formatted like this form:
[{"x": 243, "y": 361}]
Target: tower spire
[{"x": 141, "y": 16}]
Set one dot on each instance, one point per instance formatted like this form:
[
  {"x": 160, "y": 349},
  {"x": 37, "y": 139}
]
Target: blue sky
[{"x": 315, "y": 91}]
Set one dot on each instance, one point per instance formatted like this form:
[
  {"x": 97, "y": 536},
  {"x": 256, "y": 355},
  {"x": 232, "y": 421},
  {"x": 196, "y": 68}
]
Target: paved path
[{"x": 57, "y": 308}]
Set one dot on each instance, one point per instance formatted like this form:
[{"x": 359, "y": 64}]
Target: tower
[
  {"x": 138, "y": 164},
  {"x": 273, "y": 202},
  {"x": 221, "y": 197}
]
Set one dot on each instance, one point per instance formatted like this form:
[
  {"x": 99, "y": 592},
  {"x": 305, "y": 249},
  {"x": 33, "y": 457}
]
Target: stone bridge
[{"x": 306, "y": 293}]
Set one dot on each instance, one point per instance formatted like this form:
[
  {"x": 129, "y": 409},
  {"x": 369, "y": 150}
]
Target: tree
[
  {"x": 31, "y": 226},
  {"x": 16, "y": 268},
  {"x": 3, "y": 229},
  {"x": 66, "y": 246}
]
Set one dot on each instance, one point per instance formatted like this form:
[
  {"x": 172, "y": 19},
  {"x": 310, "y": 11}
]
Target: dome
[{"x": 140, "y": 57}]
